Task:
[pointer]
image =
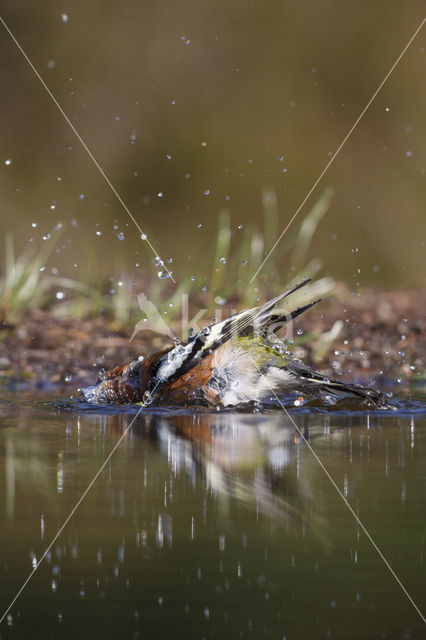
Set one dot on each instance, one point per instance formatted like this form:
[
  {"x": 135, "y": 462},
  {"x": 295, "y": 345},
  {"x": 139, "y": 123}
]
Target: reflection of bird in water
[
  {"x": 231, "y": 362},
  {"x": 254, "y": 459}
]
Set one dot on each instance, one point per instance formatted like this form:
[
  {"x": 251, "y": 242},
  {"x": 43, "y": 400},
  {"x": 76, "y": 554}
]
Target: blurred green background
[{"x": 195, "y": 106}]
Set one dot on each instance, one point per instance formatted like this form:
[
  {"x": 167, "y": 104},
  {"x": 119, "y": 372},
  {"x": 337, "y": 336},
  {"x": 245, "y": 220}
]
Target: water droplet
[
  {"x": 68, "y": 377},
  {"x": 46, "y": 236},
  {"x": 143, "y": 236},
  {"x": 99, "y": 233},
  {"x": 34, "y": 224},
  {"x": 204, "y": 144},
  {"x": 240, "y": 226},
  {"x": 60, "y": 295},
  {"x": 222, "y": 260},
  {"x": 120, "y": 235},
  {"x": 299, "y": 332},
  {"x": 147, "y": 397},
  {"x": 164, "y": 274},
  {"x": 160, "y": 194},
  {"x": 244, "y": 262},
  {"x": 193, "y": 278},
  {"x": 64, "y": 18},
  {"x": 81, "y": 196},
  {"x": 206, "y": 331},
  {"x": 199, "y": 226},
  {"x": 207, "y": 192},
  {"x": 192, "y": 333},
  {"x": 51, "y": 64},
  {"x": 8, "y": 162}
]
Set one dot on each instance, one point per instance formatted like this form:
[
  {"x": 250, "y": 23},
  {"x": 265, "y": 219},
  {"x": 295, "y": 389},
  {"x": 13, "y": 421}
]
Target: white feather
[{"x": 243, "y": 380}]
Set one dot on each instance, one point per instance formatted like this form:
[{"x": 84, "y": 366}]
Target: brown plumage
[{"x": 126, "y": 383}]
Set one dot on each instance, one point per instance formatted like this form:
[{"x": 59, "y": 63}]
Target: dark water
[{"x": 211, "y": 525}]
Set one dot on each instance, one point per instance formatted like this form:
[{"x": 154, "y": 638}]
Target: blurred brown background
[{"x": 209, "y": 103}]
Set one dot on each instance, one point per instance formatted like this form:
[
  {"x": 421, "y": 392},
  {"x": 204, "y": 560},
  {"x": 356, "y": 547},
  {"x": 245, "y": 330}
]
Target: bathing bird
[{"x": 233, "y": 362}]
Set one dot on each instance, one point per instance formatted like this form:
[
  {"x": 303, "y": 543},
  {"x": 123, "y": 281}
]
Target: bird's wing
[{"x": 175, "y": 363}]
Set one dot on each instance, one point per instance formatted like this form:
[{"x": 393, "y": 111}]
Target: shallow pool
[{"x": 211, "y": 524}]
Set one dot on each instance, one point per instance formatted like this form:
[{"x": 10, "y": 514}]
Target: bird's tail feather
[{"x": 321, "y": 385}]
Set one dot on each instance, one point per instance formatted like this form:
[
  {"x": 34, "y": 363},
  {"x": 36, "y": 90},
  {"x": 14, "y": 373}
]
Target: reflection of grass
[{"x": 25, "y": 285}]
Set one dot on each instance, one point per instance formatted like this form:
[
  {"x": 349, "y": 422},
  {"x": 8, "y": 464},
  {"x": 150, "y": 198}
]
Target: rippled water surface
[{"x": 211, "y": 524}]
